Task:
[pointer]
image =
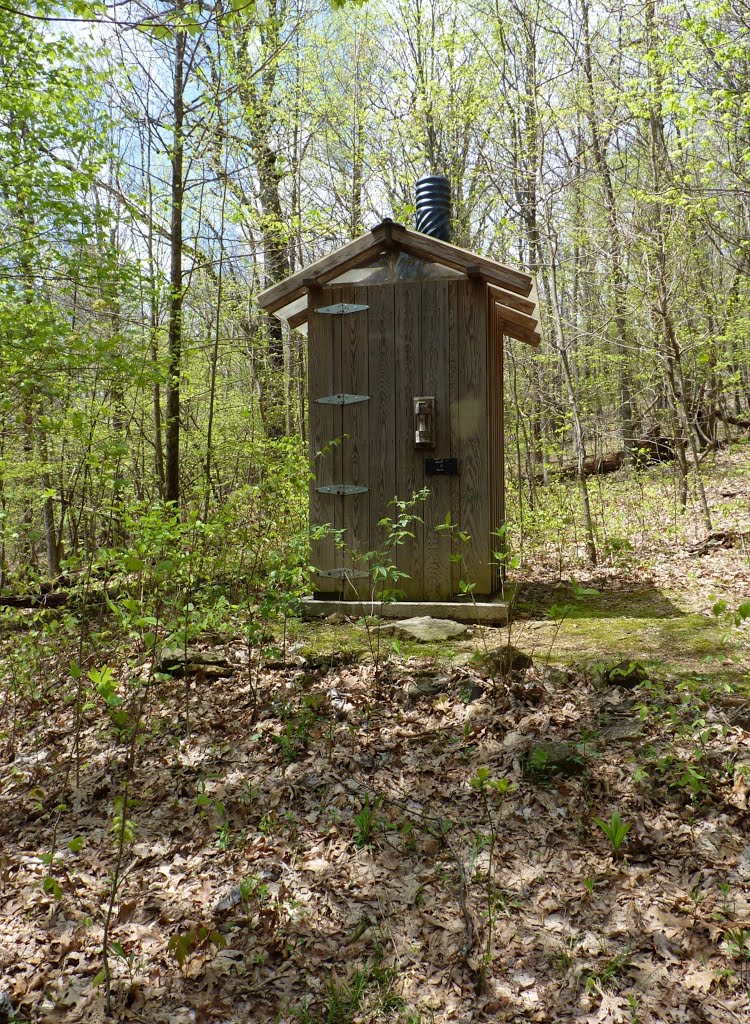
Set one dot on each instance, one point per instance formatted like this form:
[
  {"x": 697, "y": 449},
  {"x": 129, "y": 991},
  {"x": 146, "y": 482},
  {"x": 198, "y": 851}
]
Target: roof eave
[
  {"x": 513, "y": 290},
  {"x": 323, "y": 270}
]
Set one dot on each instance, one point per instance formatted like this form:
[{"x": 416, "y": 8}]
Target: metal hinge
[
  {"x": 341, "y": 307},
  {"x": 342, "y": 489},
  {"x": 343, "y": 574},
  {"x": 342, "y": 399}
]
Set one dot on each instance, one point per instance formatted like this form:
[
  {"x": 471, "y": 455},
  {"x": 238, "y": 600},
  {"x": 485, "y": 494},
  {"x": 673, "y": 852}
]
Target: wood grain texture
[
  {"x": 529, "y": 324},
  {"x": 434, "y": 338},
  {"x": 491, "y": 426},
  {"x": 500, "y": 384},
  {"x": 435, "y": 381},
  {"x": 529, "y": 305},
  {"x": 417, "y": 244},
  {"x": 455, "y": 428},
  {"x": 533, "y": 338},
  {"x": 409, "y": 462},
  {"x": 496, "y": 440},
  {"x": 323, "y": 270},
  {"x": 473, "y": 431},
  {"x": 381, "y": 407},
  {"x": 335, "y": 502},
  {"x": 355, "y": 445},
  {"x": 322, "y": 428}
]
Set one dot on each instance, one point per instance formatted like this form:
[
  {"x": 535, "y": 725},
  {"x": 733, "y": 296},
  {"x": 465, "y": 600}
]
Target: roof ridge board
[
  {"x": 522, "y": 303},
  {"x": 513, "y": 316},
  {"x": 382, "y": 238},
  {"x": 325, "y": 269},
  {"x": 445, "y": 252}
]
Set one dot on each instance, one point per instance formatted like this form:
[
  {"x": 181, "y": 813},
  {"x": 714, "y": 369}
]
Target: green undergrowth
[
  {"x": 315, "y": 640},
  {"x": 690, "y": 643},
  {"x": 644, "y": 625},
  {"x": 533, "y": 601},
  {"x": 637, "y": 514}
]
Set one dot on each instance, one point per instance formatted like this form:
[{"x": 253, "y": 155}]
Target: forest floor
[{"x": 410, "y": 837}]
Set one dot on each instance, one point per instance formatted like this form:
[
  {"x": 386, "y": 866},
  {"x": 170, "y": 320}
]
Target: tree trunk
[
  {"x": 579, "y": 442},
  {"x": 660, "y": 170},
  {"x": 631, "y": 429},
  {"x": 214, "y": 359},
  {"x": 172, "y": 461}
]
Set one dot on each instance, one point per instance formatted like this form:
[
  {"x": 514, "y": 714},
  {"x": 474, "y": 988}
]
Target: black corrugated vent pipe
[{"x": 434, "y": 206}]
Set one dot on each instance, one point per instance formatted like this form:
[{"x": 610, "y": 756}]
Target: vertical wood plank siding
[
  {"x": 409, "y": 461},
  {"x": 497, "y": 462},
  {"x": 435, "y": 365},
  {"x": 322, "y": 428},
  {"x": 436, "y": 337},
  {"x": 473, "y": 433},
  {"x": 354, "y": 446},
  {"x": 455, "y": 444},
  {"x": 381, "y": 407},
  {"x": 335, "y": 502}
]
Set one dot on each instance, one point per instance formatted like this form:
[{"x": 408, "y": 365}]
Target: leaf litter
[
  {"x": 316, "y": 851},
  {"x": 363, "y": 847}
]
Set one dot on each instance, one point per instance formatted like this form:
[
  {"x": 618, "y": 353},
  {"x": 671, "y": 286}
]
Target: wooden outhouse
[{"x": 405, "y": 385}]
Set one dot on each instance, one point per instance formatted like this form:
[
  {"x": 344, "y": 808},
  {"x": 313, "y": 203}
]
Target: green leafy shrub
[{"x": 616, "y": 831}]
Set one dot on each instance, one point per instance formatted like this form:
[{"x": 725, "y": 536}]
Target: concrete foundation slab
[{"x": 490, "y": 613}]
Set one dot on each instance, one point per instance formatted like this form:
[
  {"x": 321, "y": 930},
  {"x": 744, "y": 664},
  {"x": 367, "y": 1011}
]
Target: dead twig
[{"x": 468, "y": 945}]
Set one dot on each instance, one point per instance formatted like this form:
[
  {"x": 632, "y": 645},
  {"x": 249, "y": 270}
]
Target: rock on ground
[{"x": 425, "y": 629}]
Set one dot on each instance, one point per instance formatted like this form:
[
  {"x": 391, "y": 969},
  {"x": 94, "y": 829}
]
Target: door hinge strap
[
  {"x": 341, "y": 308},
  {"x": 342, "y": 489},
  {"x": 342, "y": 399},
  {"x": 343, "y": 574}
]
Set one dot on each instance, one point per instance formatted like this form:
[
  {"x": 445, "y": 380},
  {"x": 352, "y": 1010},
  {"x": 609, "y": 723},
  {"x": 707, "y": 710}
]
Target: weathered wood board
[
  {"x": 355, "y": 449},
  {"x": 436, "y": 298},
  {"x": 473, "y": 435},
  {"x": 409, "y": 556},
  {"x": 382, "y": 408},
  {"x": 436, "y": 339}
]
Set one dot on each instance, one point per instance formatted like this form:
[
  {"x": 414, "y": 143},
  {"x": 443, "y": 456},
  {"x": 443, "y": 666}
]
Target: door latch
[{"x": 424, "y": 422}]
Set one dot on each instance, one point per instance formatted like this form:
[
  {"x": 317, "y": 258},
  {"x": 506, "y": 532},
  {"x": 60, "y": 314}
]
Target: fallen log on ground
[
  {"x": 54, "y": 600},
  {"x": 56, "y": 593},
  {"x": 645, "y": 451},
  {"x": 720, "y": 539},
  {"x": 735, "y": 421},
  {"x": 592, "y": 466}
]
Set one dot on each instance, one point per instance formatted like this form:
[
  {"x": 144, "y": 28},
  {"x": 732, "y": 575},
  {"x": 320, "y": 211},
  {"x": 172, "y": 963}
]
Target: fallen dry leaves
[
  {"x": 266, "y": 844},
  {"x": 322, "y": 826}
]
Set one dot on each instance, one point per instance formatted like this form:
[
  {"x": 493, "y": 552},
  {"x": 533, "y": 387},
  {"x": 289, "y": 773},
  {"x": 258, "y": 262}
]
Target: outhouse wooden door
[{"x": 372, "y": 350}]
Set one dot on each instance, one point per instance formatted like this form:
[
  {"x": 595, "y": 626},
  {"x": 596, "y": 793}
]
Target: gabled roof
[{"x": 513, "y": 291}]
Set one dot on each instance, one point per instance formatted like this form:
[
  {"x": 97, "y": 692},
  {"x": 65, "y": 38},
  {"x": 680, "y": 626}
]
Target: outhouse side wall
[
  {"x": 496, "y": 434},
  {"x": 470, "y": 419},
  {"x": 324, "y": 425},
  {"x": 338, "y": 363},
  {"x": 416, "y": 338}
]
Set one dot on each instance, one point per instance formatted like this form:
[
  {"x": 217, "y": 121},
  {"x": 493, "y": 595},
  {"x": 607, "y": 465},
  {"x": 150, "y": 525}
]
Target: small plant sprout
[
  {"x": 384, "y": 574},
  {"x": 697, "y": 896},
  {"x": 487, "y": 786},
  {"x": 611, "y": 972},
  {"x": 727, "y": 905},
  {"x": 564, "y": 955},
  {"x": 579, "y": 592},
  {"x": 184, "y": 945},
  {"x": 738, "y": 943},
  {"x": 484, "y": 782},
  {"x": 633, "y": 1007},
  {"x": 367, "y": 821},
  {"x": 615, "y": 830},
  {"x": 731, "y": 616}
]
